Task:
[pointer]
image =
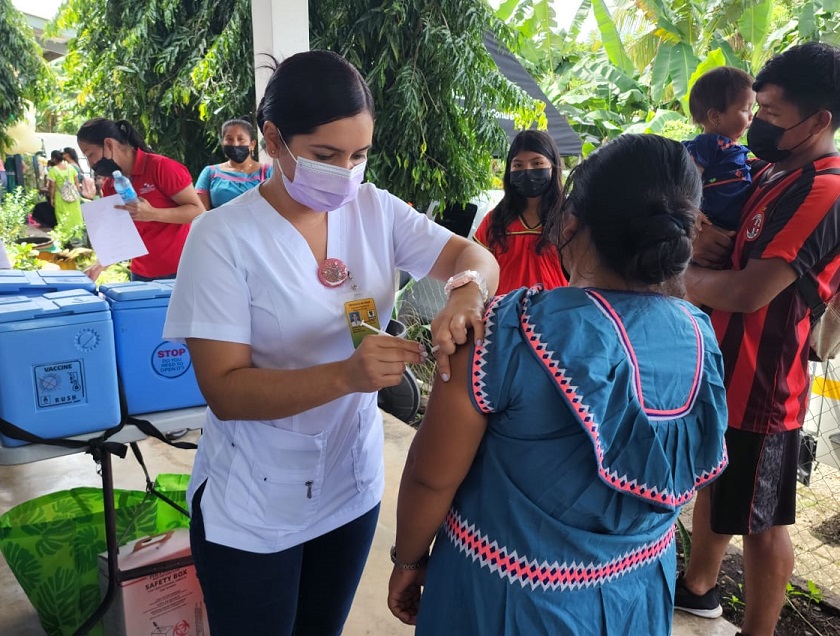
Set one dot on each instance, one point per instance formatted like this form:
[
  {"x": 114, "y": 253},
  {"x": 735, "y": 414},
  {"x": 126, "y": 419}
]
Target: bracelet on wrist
[
  {"x": 463, "y": 278},
  {"x": 407, "y": 566}
]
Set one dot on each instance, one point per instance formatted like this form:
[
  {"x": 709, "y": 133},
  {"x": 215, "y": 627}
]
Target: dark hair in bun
[{"x": 638, "y": 195}]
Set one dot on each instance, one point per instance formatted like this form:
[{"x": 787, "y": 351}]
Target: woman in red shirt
[
  {"x": 514, "y": 231},
  {"x": 167, "y": 200}
]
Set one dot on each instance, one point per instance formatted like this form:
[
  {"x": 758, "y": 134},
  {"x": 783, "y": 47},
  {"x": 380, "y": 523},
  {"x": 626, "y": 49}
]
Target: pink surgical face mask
[{"x": 321, "y": 186}]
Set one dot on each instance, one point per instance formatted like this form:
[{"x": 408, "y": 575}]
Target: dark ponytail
[
  {"x": 638, "y": 195},
  {"x": 98, "y": 129}
]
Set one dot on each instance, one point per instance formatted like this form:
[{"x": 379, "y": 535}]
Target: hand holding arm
[
  {"x": 742, "y": 291},
  {"x": 464, "y": 309}
]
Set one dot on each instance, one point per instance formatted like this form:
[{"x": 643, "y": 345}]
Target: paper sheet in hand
[{"x": 112, "y": 233}]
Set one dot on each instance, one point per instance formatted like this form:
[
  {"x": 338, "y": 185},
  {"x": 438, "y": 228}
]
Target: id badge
[{"x": 357, "y": 311}]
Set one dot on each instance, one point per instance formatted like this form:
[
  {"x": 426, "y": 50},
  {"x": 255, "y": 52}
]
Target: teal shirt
[{"x": 225, "y": 185}]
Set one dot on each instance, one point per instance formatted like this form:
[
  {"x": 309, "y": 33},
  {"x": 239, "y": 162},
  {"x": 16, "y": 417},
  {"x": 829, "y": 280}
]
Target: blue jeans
[{"x": 305, "y": 590}]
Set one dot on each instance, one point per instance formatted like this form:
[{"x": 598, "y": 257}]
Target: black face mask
[
  {"x": 763, "y": 140},
  {"x": 105, "y": 166},
  {"x": 237, "y": 154},
  {"x": 531, "y": 183}
]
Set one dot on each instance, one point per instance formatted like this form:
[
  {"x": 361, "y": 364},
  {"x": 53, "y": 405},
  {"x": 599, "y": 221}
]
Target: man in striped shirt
[{"x": 789, "y": 228}]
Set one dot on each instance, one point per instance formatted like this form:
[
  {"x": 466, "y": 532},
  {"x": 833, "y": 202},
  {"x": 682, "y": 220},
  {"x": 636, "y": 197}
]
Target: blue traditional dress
[{"x": 606, "y": 412}]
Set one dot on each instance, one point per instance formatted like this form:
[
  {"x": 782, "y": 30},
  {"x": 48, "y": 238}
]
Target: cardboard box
[{"x": 166, "y": 603}]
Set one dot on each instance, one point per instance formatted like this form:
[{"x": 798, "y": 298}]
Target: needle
[{"x": 385, "y": 333}]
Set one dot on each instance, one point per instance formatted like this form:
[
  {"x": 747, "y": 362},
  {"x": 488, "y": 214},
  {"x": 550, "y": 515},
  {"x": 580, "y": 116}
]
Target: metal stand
[{"x": 165, "y": 421}]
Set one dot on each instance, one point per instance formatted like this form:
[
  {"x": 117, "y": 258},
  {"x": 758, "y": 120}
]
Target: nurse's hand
[
  {"x": 380, "y": 362},
  {"x": 404, "y": 592},
  {"x": 463, "y": 311}
]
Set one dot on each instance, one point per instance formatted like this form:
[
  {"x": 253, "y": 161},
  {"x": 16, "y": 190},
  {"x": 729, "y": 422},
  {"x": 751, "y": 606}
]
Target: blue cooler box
[
  {"x": 36, "y": 283},
  {"x": 57, "y": 371},
  {"x": 156, "y": 374}
]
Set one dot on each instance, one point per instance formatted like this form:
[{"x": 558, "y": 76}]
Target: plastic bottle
[{"x": 124, "y": 188}]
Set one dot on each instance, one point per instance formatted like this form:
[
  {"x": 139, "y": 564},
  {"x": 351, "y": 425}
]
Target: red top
[
  {"x": 794, "y": 216},
  {"x": 157, "y": 178},
  {"x": 520, "y": 265}
]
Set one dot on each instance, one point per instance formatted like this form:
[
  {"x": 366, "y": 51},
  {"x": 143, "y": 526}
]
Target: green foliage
[
  {"x": 24, "y": 74},
  {"x": 56, "y": 111},
  {"x": 13, "y": 210},
  {"x": 116, "y": 273},
  {"x": 435, "y": 87},
  {"x": 67, "y": 237},
  {"x": 22, "y": 256},
  {"x": 812, "y": 595},
  {"x": 636, "y": 74},
  {"x": 176, "y": 69}
]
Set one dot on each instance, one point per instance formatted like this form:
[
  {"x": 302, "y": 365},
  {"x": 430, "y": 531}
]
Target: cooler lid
[
  {"x": 13, "y": 281},
  {"x": 62, "y": 279},
  {"x": 64, "y": 303},
  {"x": 148, "y": 294}
]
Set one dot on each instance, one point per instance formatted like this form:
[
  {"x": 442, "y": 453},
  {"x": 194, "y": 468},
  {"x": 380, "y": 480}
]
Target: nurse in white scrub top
[{"x": 287, "y": 481}]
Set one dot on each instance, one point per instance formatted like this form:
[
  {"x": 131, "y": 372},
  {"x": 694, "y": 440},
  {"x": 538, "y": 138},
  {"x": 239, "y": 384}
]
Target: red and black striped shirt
[{"x": 794, "y": 216}]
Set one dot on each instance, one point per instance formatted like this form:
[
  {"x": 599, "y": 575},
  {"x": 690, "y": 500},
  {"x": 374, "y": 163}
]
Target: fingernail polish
[
  {"x": 444, "y": 377},
  {"x": 479, "y": 342}
]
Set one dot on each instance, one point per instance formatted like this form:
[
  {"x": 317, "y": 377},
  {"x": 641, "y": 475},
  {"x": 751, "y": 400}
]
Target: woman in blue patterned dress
[{"x": 553, "y": 476}]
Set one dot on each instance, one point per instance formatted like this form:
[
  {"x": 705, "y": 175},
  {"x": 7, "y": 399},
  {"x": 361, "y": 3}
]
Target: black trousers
[{"x": 306, "y": 590}]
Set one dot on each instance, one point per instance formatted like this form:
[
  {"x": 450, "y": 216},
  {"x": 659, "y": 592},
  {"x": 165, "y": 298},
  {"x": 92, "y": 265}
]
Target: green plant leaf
[
  {"x": 682, "y": 65},
  {"x": 660, "y": 72},
  {"x": 807, "y": 21},
  {"x": 611, "y": 38}
]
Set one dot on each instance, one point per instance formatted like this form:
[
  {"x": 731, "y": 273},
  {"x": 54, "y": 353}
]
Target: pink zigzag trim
[
  {"x": 482, "y": 399},
  {"x": 563, "y": 576}
]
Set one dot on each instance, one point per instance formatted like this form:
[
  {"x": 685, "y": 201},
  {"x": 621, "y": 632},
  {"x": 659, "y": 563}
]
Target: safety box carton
[
  {"x": 57, "y": 371},
  {"x": 156, "y": 374},
  {"x": 166, "y": 601},
  {"x": 14, "y": 282}
]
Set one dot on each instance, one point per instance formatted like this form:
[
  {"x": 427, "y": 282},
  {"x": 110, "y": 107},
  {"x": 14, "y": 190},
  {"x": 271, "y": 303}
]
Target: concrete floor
[{"x": 369, "y": 615}]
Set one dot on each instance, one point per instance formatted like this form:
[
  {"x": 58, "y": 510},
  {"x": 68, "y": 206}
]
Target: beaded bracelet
[{"x": 407, "y": 566}]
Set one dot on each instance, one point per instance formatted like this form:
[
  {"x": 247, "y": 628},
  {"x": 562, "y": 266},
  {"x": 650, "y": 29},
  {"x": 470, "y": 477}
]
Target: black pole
[{"x": 109, "y": 513}]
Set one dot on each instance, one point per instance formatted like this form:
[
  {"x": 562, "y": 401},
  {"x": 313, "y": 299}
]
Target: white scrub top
[{"x": 248, "y": 276}]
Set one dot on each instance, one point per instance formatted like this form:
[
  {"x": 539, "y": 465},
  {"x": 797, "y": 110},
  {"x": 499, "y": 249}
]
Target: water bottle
[{"x": 124, "y": 188}]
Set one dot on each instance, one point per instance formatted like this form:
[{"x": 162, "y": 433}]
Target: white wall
[{"x": 281, "y": 28}]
